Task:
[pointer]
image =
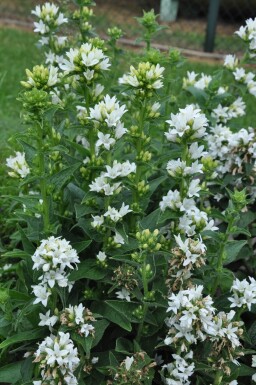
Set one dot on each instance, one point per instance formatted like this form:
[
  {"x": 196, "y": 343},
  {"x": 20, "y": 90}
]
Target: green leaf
[
  {"x": 199, "y": 94},
  {"x": 85, "y": 342},
  {"x": 151, "y": 220},
  {"x": 115, "y": 316},
  {"x": 30, "y": 152},
  {"x": 112, "y": 360},
  {"x": 16, "y": 254},
  {"x": 100, "y": 327},
  {"x": 232, "y": 249},
  {"x": 124, "y": 346},
  {"x": 23, "y": 337},
  {"x": 19, "y": 296},
  {"x": 11, "y": 373},
  {"x": 61, "y": 178},
  {"x": 124, "y": 307},
  {"x": 82, "y": 209},
  {"x": 153, "y": 184},
  {"x": 28, "y": 246},
  {"x": 168, "y": 214},
  {"x": 252, "y": 333},
  {"x": 246, "y": 218},
  {"x": 27, "y": 369},
  {"x": 88, "y": 269},
  {"x": 81, "y": 246}
]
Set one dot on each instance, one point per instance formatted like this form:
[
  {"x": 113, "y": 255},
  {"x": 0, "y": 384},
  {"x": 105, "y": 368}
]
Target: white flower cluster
[
  {"x": 86, "y": 60},
  {"x": 191, "y": 249},
  {"x": 248, "y": 34},
  {"x": 108, "y": 113},
  {"x": 117, "y": 170},
  {"x": 76, "y": 316},
  {"x": 231, "y": 62},
  {"x": 224, "y": 113},
  {"x": 193, "y": 319},
  {"x": 179, "y": 371},
  {"x": 244, "y": 293},
  {"x": 18, "y": 165},
  {"x": 201, "y": 83},
  {"x": 230, "y": 148},
  {"x": 247, "y": 78},
  {"x": 193, "y": 220},
  {"x": 58, "y": 360},
  {"x": 112, "y": 213},
  {"x": 53, "y": 257},
  {"x": 145, "y": 78},
  {"x": 49, "y": 17},
  {"x": 189, "y": 122}
]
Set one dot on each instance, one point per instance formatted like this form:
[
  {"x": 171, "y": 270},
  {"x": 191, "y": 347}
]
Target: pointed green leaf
[
  {"x": 232, "y": 249},
  {"x": 61, "y": 178},
  {"x": 23, "y": 337},
  {"x": 88, "y": 269}
]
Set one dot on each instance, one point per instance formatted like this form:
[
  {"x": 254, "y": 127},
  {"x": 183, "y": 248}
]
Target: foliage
[{"x": 130, "y": 220}]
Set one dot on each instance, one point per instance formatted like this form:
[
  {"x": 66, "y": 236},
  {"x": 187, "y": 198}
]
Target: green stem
[
  {"x": 218, "y": 378},
  {"x": 145, "y": 305},
  {"x": 43, "y": 182},
  {"x": 222, "y": 255}
]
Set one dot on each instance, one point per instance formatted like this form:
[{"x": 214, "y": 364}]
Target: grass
[{"x": 17, "y": 52}]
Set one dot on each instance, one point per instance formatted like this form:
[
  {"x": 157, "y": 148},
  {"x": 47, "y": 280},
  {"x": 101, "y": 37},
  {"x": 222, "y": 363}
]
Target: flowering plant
[{"x": 131, "y": 259}]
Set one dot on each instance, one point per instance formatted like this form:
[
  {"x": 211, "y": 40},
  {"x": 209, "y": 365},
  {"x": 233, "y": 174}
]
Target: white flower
[
  {"x": 105, "y": 140},
  {"x": 86, "y": 329},
  {"x": 47, "y": 319},
  {"x": 128, "y": 363},
  {"x": 171, "y": 200},
  {"x": 194, "y": 188},
  {"x": 118, "y": 238},
  {"x": 97, "y": 220},
  {"x": 123, "y": 294},
  {"x": 42, "y": 294},
  {"x": 189, "y": 121},
  {"x": 101, "y": 256},
  {"x": 41, "y": 27},
  {"x": 116, "y": 215},
  {"x": 230, "y": 62},
  {"x": 18, "y": 164}
]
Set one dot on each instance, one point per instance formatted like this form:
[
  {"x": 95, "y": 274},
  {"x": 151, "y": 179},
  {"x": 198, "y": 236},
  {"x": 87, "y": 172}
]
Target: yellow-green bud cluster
[
  {"x": 239, "y": 199},
  {"x": 147, "y": 271},
  {"x": 98, "y": 43},
  {"x": 35, "y": 100},
  {"x": 56, "y": 135},
  {"x": 115, "y": 33},
  {"x": 111, "y": 244},
  {"x": 148, "y": 240},
  {"x": 84, "y": 14},
  {"x": 149, "y": 21},
  {"x": 142, "y": 188},
  {"x": 40, "y": 77},
  {"x": 144, "y": 156},
  {"x": 91, "y": 162},
  {"x": 209, "y": 165}
]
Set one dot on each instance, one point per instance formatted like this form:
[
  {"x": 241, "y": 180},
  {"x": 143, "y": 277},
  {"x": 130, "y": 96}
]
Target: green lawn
[{"x": 17, "y": 52}]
